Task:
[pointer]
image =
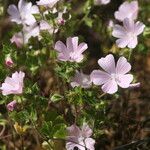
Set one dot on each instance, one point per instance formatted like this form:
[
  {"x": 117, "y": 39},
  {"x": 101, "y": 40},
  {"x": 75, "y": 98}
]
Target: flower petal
[
  {"x": 139, "y": 27},
  {"x": 133, "y": 42},
  {"x": 124, "y": 80},
  {"x": 14, "y": 14},
  {"x": 99, "y": 77},
  {"x": 82, "y": 47},
  {"x": 128, "y": 24},
  {"x": 118, "y": 31},
  {"x": 74, "y": 131},
  {"x": 122, "y": 66},
  {"x": 122, "y": 43},
  {"x": 89, "y": 143},
  {"x": 86, "y": 131},
  {"x": 72, "y": 43},
  {"x": 107, "y": 63},
  {"x": 60, "y": 46},
  {"x": 110, "y": 87}
]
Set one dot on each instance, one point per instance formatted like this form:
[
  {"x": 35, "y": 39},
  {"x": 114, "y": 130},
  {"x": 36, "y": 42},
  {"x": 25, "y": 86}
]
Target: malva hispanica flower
[
  {"x": 47, "y": 3},
  {"x": 114, "y": 75},
  {"x": 71, "y": 51},
  {"x": 128, "y": 33},
  {"x": 80, "y": 138},
  {"x": 81, "y": 79},
  {"x": 24, "y": 13},
  {"x": 23, "y": 37},
  {"x": 14, "y": 84},
  {"x": 11, "y": 106},
  {"x": 127, "y": 10}
]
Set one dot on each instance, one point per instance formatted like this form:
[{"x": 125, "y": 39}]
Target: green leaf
[
  {"x": 56, "y": 97},
  {"x": 59, "y": 131}
]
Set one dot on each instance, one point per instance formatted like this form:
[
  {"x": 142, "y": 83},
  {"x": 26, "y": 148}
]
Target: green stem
[
  {"x": 102, "y": 95},
  {"x": 44, "y": 138},
  {"x": 130, "y": 53}
]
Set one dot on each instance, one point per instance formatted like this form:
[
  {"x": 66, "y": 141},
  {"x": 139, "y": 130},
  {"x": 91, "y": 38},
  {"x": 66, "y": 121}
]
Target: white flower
[
  {"x": 14, "y": 84},
  {"x": 114, "y": 74},
  {"x": 80, "y": 138},
  {"x": 72, "y": 51},
  {"x": 127, "y": 10},
  {"x": 31, "y": 31},
  {"x": 128, "y": 33},
  {"x": 23, "y": 37},
  {"x": 47, "y": 3},
  {"x": 24, "y": 13}
]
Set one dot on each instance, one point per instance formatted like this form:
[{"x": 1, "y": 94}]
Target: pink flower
[
  {"x": 71, "y": 51},
  {"x": 24, "y": 13},
  {"x": 47, "y": 3},
  {"x": 31, "y": 31},
  {"x": 8, "y": 61},
  {"x": 113, "y": 75},
  {"x": 81, "y": 79},
  {"x": 14, "y": 84},
  {"x": 17, "y": 39},
  {"x": 127, "y": 10},
  {"x": 11, "y": 106},
  {"x": 101, "y": 2},
  {"x": 80, "y": 138},
  {"x": 128, "y": 33},
  {"x": 23, "y": 37}
]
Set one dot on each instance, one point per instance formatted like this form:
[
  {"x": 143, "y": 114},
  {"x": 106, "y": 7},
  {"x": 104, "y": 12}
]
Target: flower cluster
[
  {"x": 24, "y": 14},
  {"x": 127, "y": 33},
  {"x": 112, "y": 75}
]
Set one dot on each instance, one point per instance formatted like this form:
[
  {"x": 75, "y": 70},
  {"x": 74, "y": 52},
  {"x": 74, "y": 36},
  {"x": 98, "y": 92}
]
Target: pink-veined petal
[
  {"x": 86, "y": 131},
  {"x": 133, "y": 42},
  {"x": 122, "y": 66},
  {"x": 118, "y": 31},
  {"x": 107, "y": 63},
  {"x": 72, "y": 43},
  {"x": 14, "y": 14},
  {"x": 99, "y": 77},
  {"x": 82, "y": 47},
  {"x": 60, "y": 46},
  {"x": 139, "y": 27},
  {"x": 125, "y": 80},
  {"x": 89, "y": 142},
  {"x": 123, "y": 42},
  {"x": 128, "y": 24},
  {"x": 110, "y": 87},
  {"x": 21, "y": 4}
]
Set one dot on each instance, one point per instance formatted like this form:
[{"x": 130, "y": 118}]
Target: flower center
[
  {"x": 131, "y": 35},
  {"x": 72, "y": 55},
  {"x": 115, "y": 77}
]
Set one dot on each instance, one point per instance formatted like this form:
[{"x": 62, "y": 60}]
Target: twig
[{"x": 134, "y": 143}]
